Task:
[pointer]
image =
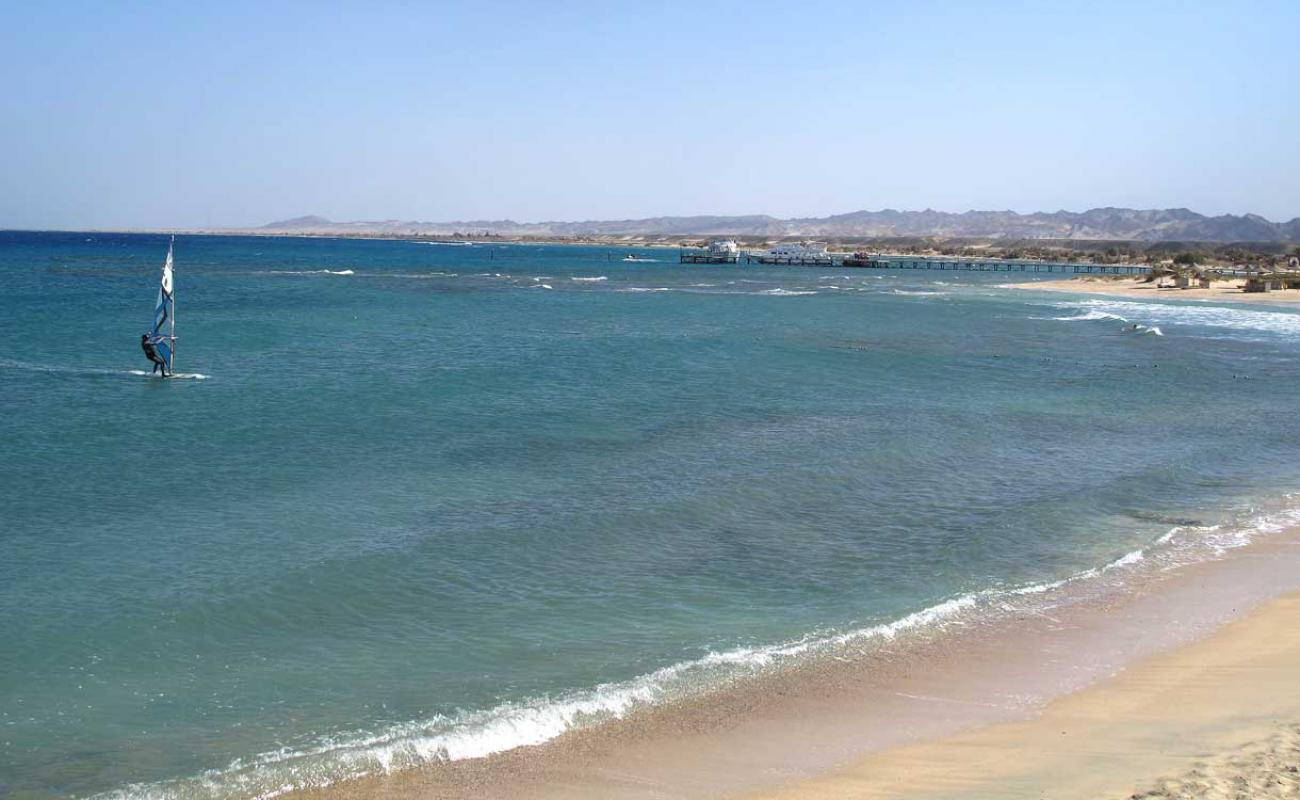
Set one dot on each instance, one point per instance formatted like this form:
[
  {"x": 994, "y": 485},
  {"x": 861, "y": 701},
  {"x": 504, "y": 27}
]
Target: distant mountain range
[{"x": 1120, "y": 224}]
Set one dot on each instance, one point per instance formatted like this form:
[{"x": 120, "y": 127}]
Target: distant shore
[
  {"x": 1107, "y": 252},
  {"x": 1223, "y": 290}
]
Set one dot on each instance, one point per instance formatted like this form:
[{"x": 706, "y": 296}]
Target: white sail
[{"x": 164, "y": 314}]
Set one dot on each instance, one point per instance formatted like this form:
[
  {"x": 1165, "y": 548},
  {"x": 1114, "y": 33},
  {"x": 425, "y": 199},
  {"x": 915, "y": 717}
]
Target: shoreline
[
  {"x": 1217, "y": 717},
  {"x": 811, "y": 732},
  {"x": 1133, "y": 288}
]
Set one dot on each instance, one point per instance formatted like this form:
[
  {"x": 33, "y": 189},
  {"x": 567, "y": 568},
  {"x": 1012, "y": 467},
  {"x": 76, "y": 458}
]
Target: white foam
[
  {"x": 507, "y": 726},
  {"x": 1248, "y": 320},
  {"x": 91, "y": 371},
  {"x": 589, "y": 280},
  {"x": 310, "y": 272},
  {"x": 476, "y": 734},
  {"x": 785, "y": 293},
  {"x": 1091, "y": 315},
  {"x": 194, "y": 376},
  {"x": 1126, "y": 560}
]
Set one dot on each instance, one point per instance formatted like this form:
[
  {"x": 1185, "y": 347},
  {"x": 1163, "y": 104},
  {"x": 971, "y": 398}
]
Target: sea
[{"x": 408, "y": 502}]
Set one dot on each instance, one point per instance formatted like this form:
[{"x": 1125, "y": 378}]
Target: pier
[
  {"x": 702, "y": 257},
  {"x": 991, "y": 265},
  {"x": 865, "y": 261},
  {"x": 827, "y": 260}
]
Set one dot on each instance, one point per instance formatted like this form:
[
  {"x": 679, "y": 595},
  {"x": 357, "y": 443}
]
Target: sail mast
[{"x": 171, "y": 262}]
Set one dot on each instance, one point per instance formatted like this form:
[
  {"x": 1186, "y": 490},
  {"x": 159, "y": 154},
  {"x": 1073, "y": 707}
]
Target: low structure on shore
[{"x": 1257, "y": 278}]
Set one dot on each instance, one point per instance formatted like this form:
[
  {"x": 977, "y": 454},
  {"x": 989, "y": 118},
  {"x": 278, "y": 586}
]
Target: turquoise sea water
[{"x": 433, "y": 502}]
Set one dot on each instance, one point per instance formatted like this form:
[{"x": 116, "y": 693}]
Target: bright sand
[
  {"x": 1217, "y": 717},
  {"x": 1225, "y": 290}
]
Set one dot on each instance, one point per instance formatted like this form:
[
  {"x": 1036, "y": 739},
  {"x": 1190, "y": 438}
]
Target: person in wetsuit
[{"x": 151, "y": 353}]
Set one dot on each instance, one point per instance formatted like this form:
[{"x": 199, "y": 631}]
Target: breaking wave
[
  {"x": 310, "y": 272},
  {"x": 785, "y": 293},
  {"x": 480, "y": 733},
  {"x": 1249, "y": 321},
  {"x": 1091, "y": 315}
]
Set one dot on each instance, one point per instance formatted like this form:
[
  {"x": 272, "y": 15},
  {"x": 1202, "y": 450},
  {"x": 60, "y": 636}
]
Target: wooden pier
[
  {"x": 865, "y": 261},
  {"x": 828, "y": 260},
  {"x": 991, "y": 265}
]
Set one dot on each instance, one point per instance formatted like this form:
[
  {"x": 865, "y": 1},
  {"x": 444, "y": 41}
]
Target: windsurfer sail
[{"x": 164, "y": 317}]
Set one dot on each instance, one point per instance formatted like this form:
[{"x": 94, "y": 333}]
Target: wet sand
[
  {"x": 968, "y": 713},
  {"x": 1218, "y": 718},
  {"x": 1224, "y": 291}
]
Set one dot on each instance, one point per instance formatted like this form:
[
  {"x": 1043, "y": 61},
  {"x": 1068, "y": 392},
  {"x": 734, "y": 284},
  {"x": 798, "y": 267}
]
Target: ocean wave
[
  {"x": 785, "y": 293},
  {"x": 310, "y": 272},
  {"x": 95, "y": 372},
  {"x": 1245, "y": 320},
  {"x": 1091, "y": 315},
  {"x": 508, "y": 726},
  {"x": 481, "y": 733},
  {"x": 919, "y": 292},
  {"x": 595, "y": 279},
  {"x": 192, "y": 376}
]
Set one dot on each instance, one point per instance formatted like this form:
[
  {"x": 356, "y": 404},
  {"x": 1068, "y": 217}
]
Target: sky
[{"x": 152, "y": 114}]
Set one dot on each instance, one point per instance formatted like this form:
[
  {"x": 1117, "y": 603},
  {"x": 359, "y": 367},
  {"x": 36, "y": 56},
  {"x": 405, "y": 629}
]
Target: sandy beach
[
  {"x": 1224, "y": 291},
  {"x": 1218, "y": 718}
]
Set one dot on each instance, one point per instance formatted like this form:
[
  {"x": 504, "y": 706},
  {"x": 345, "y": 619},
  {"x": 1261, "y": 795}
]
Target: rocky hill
[{"x": 1119, "y": 224}]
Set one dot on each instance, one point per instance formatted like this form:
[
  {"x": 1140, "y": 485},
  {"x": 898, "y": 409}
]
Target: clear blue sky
[{"x": 122, "y": 114}]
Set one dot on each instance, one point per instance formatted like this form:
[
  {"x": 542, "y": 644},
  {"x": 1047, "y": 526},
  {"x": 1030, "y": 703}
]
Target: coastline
[
  {"x": 874, "y": 726},
  {"x": 1218, "y": 716},
  {"x": 1133, "y": 288}
]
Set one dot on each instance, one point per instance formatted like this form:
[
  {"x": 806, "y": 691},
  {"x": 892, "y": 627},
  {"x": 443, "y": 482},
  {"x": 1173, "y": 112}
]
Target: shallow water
[{"x": 433, "y": 502}]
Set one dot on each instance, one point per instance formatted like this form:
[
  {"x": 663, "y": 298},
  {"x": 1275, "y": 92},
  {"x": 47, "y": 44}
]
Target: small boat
[{"x": 634, "y": 258}]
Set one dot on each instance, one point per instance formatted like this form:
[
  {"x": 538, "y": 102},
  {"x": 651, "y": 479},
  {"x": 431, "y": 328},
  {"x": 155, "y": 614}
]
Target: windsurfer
[{"x": 151, "y": 353}]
